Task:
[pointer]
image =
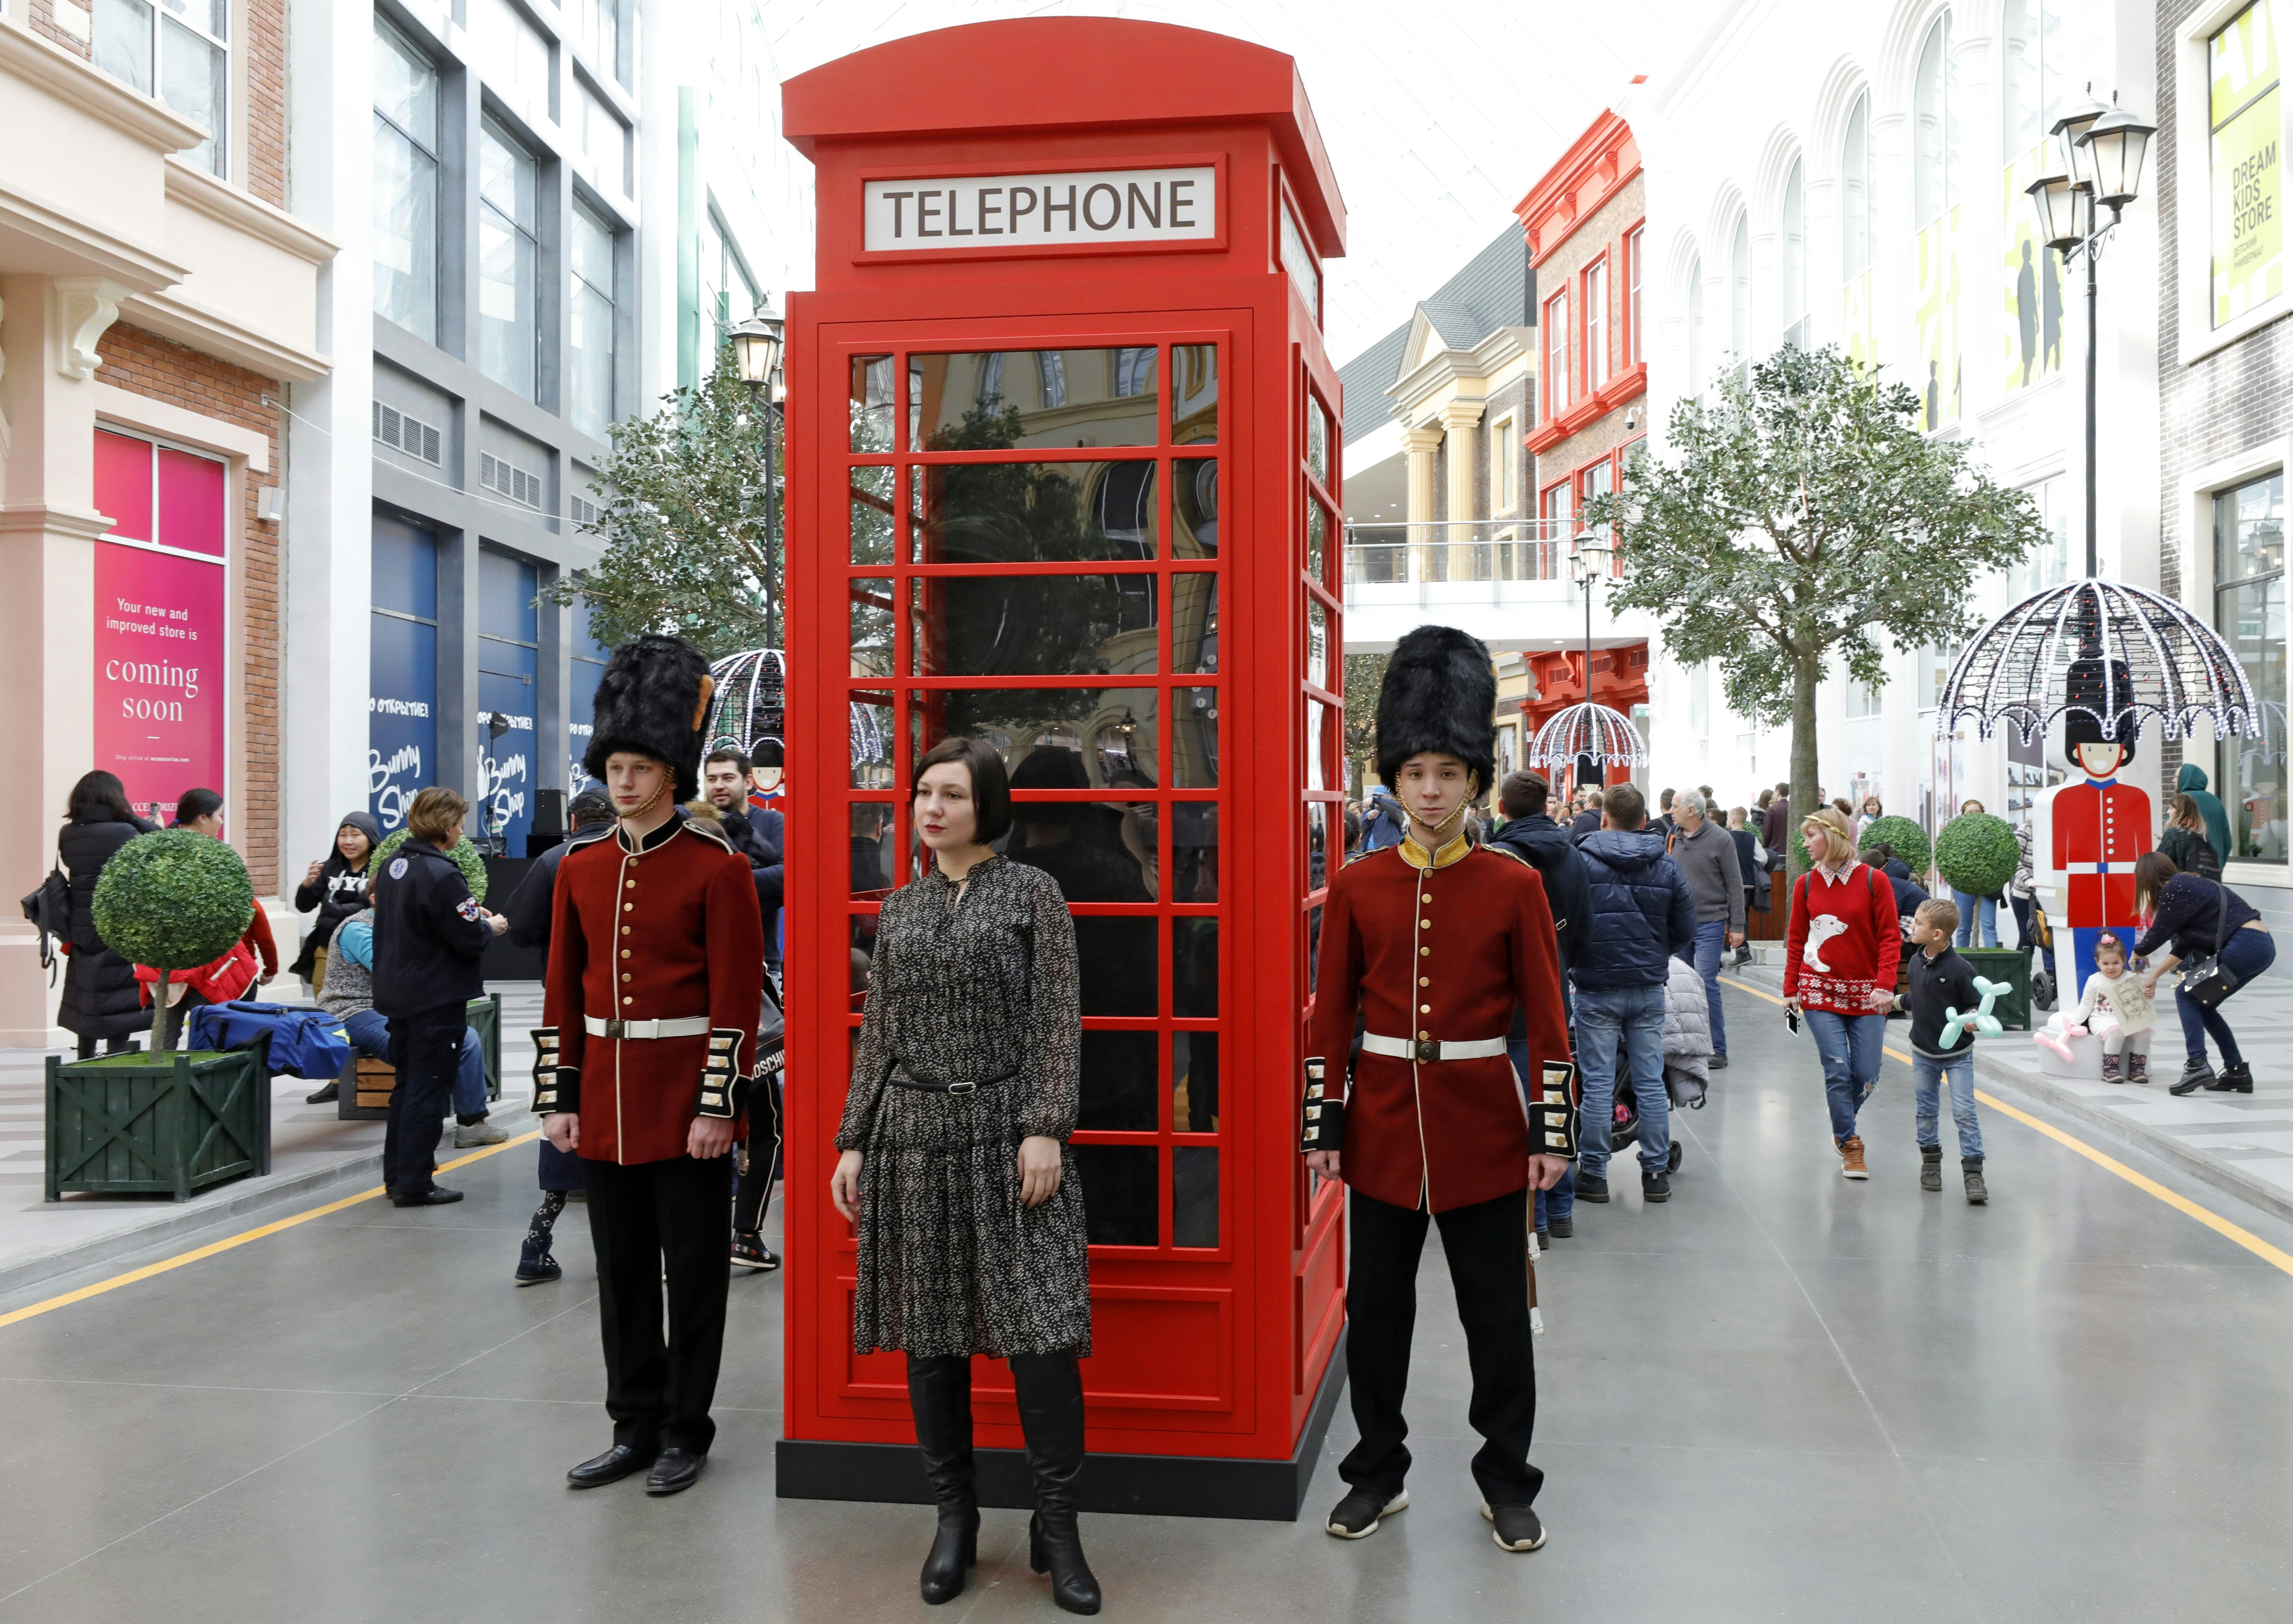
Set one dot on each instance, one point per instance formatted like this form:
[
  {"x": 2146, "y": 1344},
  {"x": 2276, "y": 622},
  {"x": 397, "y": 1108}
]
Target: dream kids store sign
[{"x": 1080, "y": 208}]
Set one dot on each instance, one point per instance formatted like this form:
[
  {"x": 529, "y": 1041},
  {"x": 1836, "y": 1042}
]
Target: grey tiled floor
[{"x": 1780, "y": 1397}]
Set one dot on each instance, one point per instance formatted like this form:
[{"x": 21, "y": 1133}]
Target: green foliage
[
  {"x": 1976, "y": 852},
  {"x": 1365, "y": 675},
  {"x": 1797, "y": 518},
  {"x": 684, "y": 515},
  {"x": 465, "y": 856},
  {"x": 1908, "y": 840},
  {"x": 173, "y": 900}
]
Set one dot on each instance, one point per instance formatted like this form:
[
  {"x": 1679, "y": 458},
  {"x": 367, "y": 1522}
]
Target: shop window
[
  {"x": 1556, "y": 355},
  {"x": 1504, "y": 466},
  {"x": 591, "y": 357},
  {"x": 405, "y": 184},
  {"x": 402, "y": 672},
  {"x": 2048, "y": 563},
  {"x": 2249, "y": 613},
  {"x": 1797, "y": 329},
  {"x": 513, "y": 56},
  {"x": 181, "y": 55},
  {"x": 509, "y": 652},
  {"x": 1635, "y": 255},
  {"x": 2248, "y": 247},
  {"x": 597, "y": 28}
]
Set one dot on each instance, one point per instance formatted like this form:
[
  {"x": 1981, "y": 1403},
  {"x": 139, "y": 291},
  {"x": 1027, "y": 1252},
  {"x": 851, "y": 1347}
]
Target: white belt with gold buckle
[
  {"x": 1427, "y": 1050},
  {"x": 684, "y": 1026}
]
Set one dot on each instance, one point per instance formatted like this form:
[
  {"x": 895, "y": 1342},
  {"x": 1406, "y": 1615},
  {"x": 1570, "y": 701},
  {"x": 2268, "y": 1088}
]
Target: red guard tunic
[
  {"x": 2102, "y": 827},
  {"x": 1439, "y": 952},
  {"x": 667, "y": 929}
]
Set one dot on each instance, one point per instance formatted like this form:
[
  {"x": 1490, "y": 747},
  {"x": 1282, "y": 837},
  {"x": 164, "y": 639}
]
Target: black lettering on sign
[
  {"x": 1177, "y": 202},
  {"x": 1153, "y": 211},
  {"x": 897, "y": 197},
  {"x": 1019, "y": 209},
  {"x": 924, "y": 211},
  {"x": 988, "y": 209},
  {"x": 1050, "y": 208},
  {"x": 1114, "y": 213},
  {"x": 955, "y": 196}
]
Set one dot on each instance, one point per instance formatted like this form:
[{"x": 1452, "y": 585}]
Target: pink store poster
[{"x": 159, "y": 677}]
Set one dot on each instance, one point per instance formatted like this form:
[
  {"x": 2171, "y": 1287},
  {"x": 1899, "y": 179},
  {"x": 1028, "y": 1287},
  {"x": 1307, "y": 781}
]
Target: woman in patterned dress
[{"x": 955, "y": 1170}]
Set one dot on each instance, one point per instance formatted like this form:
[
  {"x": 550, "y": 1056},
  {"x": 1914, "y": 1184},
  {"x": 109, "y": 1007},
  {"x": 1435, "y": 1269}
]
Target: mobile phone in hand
[{"x": 1791, "y": 1019}]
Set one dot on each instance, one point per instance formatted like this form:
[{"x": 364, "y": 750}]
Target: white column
[
  {"x": 1420, "y": 441},
  {"x": 328, "y": 540}
]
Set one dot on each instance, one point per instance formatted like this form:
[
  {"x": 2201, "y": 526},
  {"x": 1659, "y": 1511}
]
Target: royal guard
[
  {"x": 2090, "y": 833},
  {"x": 1434, "y": 944},
  {"x": 655, "y": 990}
]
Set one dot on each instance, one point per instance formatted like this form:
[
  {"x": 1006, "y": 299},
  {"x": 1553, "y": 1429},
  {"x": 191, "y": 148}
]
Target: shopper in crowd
[
  {"x": 1941, "y": 988},
  {"x": 348, "y": 994},
  {"x": 1910, "y": 896},
  {"x": 1529, "y": 835},
  {"x": 1587, "y": 821},
  {"x": 336, "y": 887},
  {"x": 101, "y": 1000},
  {"x": 1644, "y": 914},
  {"x": 2191, "y": 919},
  {"x": 1968, "y": 906},
  {"x": 2190, "y": 782},
  {"x": 2021, "y": 888},
  {"x": 1707, "y": 861},
  {"x": 252, "y": 961},
  {"x": 757, "y": 833},
  {"x": 1384, "y": 823},
  {"x": 1775, "y": 822},
  {"x": 2184, "y": 839},
  {"x": 1752, "y": 863},
  {"x": 970, "y": 1044},
  {"x": 2116, "y": 1009},
  {"x": 428, "y": 936},
  {"x": 528, "y": 911},
  {"x": 1841, "y": 950},
  {"x": 1870, "y": 814},
  {"x": 1665, "y": 823}
]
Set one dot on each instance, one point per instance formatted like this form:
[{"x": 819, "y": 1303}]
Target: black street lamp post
[{"x": 757, "y": 344}]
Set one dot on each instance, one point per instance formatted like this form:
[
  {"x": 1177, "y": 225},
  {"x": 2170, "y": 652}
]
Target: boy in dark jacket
[
  {"x": 1642, "y": 915},
  {"x": 1546, "y": 847},
  {"x": 1943, "y": 983}
]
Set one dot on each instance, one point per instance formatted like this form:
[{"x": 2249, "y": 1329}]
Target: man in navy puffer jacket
[{"x": 1643, "y": 915}]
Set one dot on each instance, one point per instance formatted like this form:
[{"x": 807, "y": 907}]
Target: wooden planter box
[
  {"x": 2013, "y": 966},
  {"x": 364, "y": 1090},
  {"x": 138, "y": 1123}
]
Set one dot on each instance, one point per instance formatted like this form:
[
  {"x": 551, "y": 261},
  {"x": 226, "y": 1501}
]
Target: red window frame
[
  {"x": 1635, "y": 273},
  {"x": 1596, "y": 377},
  {"x": 1557, "y": 394}
]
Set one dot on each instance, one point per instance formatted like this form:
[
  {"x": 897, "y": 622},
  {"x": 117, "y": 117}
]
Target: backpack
[
  {"x": 49, "y": 910},
  {"x": 305, "y": 1043}
]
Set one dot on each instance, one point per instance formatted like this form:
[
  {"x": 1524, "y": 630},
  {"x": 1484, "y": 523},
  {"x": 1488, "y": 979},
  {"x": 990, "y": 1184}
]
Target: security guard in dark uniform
[{"x": 429, "y": 935}]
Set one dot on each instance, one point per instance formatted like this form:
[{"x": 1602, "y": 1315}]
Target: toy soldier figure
[
  {"x": 655, "y": 987},
  {"x": 2089, "y": 833},
  {"x": 1435, "y": 943}
]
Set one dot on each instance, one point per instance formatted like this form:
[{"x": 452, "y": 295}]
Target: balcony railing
[{"x": 1409, "y": 554}]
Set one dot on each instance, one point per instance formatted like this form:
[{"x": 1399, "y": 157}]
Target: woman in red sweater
[{"x": 1841, "y": 951}]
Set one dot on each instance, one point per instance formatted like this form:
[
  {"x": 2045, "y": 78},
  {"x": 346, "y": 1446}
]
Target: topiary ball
[
  {"x": 173, "y": 900},
  {"x": 1908, "y": 839},
  {"x": 1977, "y": 852},
  {"x": 464, "y": 855}
]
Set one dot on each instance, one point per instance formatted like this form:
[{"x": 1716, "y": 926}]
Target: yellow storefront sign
[{"x": 2248, "y": 169}]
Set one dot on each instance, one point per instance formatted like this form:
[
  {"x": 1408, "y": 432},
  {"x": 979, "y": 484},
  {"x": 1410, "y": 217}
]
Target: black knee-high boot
[
  {"x": 939, "y": 1391},
  {"x": 1050, "y": 1389}
]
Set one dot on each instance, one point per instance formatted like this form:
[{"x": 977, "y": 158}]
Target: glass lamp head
[
  {"x": 2116, "y": 145},
  {"x": 757, "y": 347},
  {"x": 2069, "y": 131}
]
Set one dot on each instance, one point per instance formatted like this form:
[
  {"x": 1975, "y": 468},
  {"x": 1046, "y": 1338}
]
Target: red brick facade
[
  {"x": 148, "y": 365},
  {"x": 42, "y": 18}
]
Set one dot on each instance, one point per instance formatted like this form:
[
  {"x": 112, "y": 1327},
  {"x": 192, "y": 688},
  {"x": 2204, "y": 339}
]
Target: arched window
[
  {"x": 1739, "y": 294},
  {"x": 1699, "y": 351},
  {"x": 1859, "y": 219},
  {"x": 1796, "y": 326},
  {"x": 1934, "y": 135},
  {"x": 2030, "y": 73}
]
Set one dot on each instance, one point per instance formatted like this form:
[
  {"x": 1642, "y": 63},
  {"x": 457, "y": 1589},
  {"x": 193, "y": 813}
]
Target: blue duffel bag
[{"x": 307, "y": 1043}]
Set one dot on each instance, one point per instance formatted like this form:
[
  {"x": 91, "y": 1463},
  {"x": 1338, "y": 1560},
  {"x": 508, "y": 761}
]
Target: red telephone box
[{"x": 1063, "y": 472}]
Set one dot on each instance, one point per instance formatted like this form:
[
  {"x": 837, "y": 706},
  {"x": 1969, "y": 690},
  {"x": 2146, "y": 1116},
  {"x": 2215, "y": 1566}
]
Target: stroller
[
  {"x": 1687, "y": 1048},
  {"x": 2042, "y": 990}
]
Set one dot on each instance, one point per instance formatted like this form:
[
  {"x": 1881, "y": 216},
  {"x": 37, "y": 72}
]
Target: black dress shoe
[
  {"x": 622, "y": 1460},
  {"x": 325, "y": 1096},
  {"x": 437, "y": 1195},
  {"x": 675, "y": 1472},
  {"x": 1717, "y": 1062}
]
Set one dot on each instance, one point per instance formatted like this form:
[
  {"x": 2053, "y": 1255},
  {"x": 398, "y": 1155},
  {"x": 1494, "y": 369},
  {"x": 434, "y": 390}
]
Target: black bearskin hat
[
  {"x": 652, "y": 698},
  {"x": 1440, "y": 694},
  {"x": 2093, "y": 684}
]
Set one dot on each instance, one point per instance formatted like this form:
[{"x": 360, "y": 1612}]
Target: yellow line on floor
[
  {"x": 230, "y": 1242},
  {"x": 2220, "y": 1226}
]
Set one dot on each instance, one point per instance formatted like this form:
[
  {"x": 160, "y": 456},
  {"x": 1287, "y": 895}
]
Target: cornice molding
[
  {"x": 186, "y": 323},
  {"x": 196, "y": 190},
  {"x": 1598, "y": 164},
  {"x": 69, "y": 78},
  {"x": 41, "y": 519},
  {"x": 103, "y": 253}
]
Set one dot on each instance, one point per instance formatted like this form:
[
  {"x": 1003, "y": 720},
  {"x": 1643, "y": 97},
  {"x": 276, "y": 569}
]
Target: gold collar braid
[{"x": 1417, "y": 857}]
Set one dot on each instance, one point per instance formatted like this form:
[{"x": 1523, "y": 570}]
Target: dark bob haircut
[
  {"x": 99, "y": 793},
  {"x": 991, "y": 786},
  {"x": 196, "y": 803}
]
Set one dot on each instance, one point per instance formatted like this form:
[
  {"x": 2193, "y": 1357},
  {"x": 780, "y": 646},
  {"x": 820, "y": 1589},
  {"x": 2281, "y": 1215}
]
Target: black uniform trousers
[
  {"x": 425, "y": 1051},
  {"x": 644, "y": 1217},
  {"x": 1486, "y": 1246}
]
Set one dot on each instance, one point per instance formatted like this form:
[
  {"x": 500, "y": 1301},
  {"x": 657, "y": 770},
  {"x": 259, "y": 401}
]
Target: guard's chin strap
[
  {"x": 1472, "y": 790},
  {"x": 659, "y": 790}
]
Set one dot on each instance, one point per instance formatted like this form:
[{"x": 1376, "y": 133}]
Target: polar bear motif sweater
[{"x": 1842, "y": 941}]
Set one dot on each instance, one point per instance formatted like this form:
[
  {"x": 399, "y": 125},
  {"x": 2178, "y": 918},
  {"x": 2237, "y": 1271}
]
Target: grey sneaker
[
  {"x": 1357, "y": 1516},
  {"x": 1517, "y": 1527},
  {"x": 470, "y": 1137}
]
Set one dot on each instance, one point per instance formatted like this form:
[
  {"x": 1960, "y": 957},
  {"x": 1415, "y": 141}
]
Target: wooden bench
[{"x": 363, "y": 1089}]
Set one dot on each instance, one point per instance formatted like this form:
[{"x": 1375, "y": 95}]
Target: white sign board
[{"x": 1078, "y": 208}]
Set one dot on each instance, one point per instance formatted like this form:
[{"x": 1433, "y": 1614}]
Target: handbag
[
  {"x": 49, "y": 910},
  {"x": 2206, "y": 981}
]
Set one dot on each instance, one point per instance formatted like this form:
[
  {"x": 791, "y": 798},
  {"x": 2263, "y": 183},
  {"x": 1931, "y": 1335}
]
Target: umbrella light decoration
[
  {"x": 1588, "y": 731},
  {"x": 2114, "y": 653}
]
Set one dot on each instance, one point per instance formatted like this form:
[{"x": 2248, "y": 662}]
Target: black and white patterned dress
[{"x": 985, "y": 991}]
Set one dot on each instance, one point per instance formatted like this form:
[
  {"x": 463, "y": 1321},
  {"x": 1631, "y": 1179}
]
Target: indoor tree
[{"x": 1796, "y": 519}]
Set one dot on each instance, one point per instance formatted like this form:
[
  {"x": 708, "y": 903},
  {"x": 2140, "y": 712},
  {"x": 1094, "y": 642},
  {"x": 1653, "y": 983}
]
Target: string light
[{"x": 1588, "y": 731}]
